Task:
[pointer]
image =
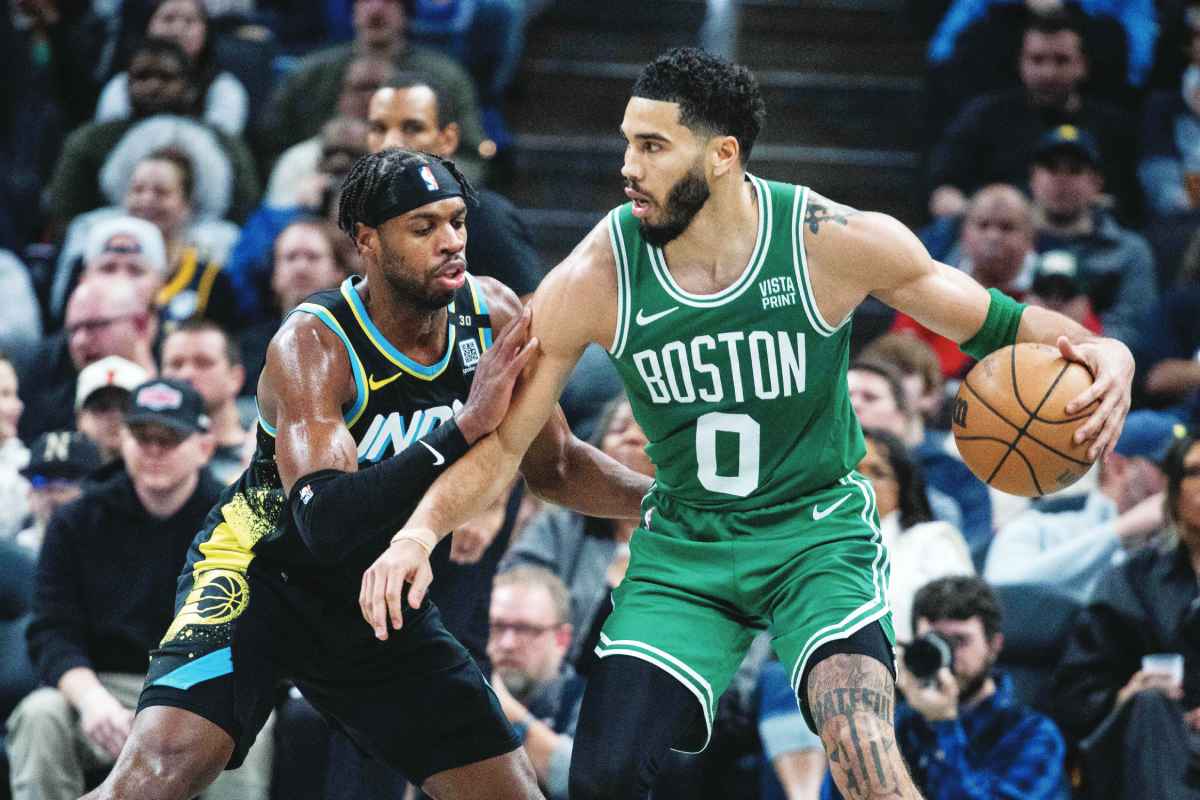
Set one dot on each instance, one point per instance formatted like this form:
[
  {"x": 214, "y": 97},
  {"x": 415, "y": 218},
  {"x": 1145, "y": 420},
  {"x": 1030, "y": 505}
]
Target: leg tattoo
[{"x": 851, "y": 701}]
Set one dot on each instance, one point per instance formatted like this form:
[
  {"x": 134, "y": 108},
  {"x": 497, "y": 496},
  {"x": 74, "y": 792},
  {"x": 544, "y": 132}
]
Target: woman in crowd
[
  {"x": 162, "y": 189},
  {"x": 225, "y": 101},
  {"x": 920, "y": 547}
]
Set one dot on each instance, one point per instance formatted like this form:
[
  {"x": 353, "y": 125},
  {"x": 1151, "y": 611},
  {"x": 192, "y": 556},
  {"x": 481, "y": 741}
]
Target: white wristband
[{"x": 420, "y": 536}]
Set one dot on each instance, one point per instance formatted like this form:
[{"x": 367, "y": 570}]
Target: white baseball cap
[
  {"x": 114, "y": 371},
  {"x": 147, "y": 241}
]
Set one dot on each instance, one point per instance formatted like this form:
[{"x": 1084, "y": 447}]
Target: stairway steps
[{"x": 827, "y": 109}]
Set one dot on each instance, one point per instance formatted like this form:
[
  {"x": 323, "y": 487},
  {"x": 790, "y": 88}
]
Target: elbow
[{"x": 548, "y": 483}]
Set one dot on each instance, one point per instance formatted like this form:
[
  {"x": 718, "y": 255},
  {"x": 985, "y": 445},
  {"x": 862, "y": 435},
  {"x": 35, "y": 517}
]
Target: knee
[{"x": 43, "y": 710}]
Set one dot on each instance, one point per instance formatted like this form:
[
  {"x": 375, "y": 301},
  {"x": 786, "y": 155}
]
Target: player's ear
[
  {"x": 366, "y": 238},
  {"x": 724, "y": 154}
]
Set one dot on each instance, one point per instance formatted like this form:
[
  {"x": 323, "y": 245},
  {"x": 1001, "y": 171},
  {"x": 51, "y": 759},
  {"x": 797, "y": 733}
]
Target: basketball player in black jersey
[{"x": 369, "y": 392}]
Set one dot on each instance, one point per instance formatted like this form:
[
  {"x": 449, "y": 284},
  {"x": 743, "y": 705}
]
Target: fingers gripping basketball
[{"x": 1010, "y": 422}]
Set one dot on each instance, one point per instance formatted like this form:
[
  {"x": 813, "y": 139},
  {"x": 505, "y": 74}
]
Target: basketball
[{"x": 1010, "y": 421}]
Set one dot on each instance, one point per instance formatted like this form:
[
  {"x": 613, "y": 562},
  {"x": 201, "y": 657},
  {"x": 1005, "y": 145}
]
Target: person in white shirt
[
  {"x": 921, "y": 548},
  {"x": 1068, "y": 544}
]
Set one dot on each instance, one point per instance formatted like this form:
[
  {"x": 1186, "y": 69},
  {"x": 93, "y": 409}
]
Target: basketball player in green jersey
[{"x": 723, "y": 300}]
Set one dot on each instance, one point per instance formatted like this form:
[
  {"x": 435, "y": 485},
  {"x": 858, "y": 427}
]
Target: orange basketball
[{"x": 1010, "y": 420}]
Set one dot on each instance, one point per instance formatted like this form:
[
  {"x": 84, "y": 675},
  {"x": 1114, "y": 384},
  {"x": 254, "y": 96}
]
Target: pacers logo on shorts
[
  {"x": 219, "y": 596},
  {"x": 223, "y": 596}
]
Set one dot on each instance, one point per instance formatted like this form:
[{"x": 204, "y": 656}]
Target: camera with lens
[{"x": 926, "y": 655}]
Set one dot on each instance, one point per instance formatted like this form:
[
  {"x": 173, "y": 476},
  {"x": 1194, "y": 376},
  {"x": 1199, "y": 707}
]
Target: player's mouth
[
  {"x": 452, "y": 274},
  {"x": 641, "y": 203}
]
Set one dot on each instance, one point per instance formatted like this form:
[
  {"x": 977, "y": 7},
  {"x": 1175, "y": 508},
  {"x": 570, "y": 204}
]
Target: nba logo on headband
[{"x": 430, "y": 182}]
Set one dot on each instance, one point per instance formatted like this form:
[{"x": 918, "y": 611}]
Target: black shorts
[{"x": 416, "y": 702}]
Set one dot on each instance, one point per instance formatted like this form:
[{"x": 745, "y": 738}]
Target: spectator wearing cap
[
  {"x": 1115, "y": 264},
  {"x": 1067, "y": 544},
  {"x": 105, "y": 317},
  {"x": 101, "y": 394},
  {"x": 105, "y": 593},
  {"x": 13, "y": 454},
  {"x": 130, "y": 248},
  {"x": 993, "y": 137},
  {"x": 175, "y": 189},
  {"x": 1058, "y": 286},
  {"x": 201, "y": 353},
  {"x": 58, "y": 463},
  {"x": 1128, "y": 688}
]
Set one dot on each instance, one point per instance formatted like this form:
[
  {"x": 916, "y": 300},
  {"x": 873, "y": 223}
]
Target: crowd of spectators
[{"x": 169, "y": 170}]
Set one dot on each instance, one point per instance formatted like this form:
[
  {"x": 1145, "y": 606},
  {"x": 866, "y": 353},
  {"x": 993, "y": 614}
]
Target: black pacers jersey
[{"x": 397, "y": 401}]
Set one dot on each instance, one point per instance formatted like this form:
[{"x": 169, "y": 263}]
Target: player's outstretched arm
[
  {"x": 337, "y": 507},
  {"x": 559, "y": 467},
  {"x": 569, "y": 311},
  {"x": 866, "y": 253}
]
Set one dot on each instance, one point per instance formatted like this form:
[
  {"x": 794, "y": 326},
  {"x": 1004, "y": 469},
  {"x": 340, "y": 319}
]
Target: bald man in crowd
[
  {"x": 106, "y": 316},
  {"x": 996, "y": 248}
]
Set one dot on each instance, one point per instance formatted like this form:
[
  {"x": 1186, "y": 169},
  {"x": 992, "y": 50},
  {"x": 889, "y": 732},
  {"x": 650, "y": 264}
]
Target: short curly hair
[
  {"x": 713, "y": 94},
  {"x": 959, "y": 597}
]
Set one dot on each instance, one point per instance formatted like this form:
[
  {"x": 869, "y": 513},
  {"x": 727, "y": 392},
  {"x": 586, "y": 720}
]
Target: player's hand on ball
[
  {"x": 497, "y": 373},
  {"x": 1111, "y": 365},
  {"x": 381, "y": 598}
]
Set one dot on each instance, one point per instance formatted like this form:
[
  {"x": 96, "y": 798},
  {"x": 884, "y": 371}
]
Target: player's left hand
[
  {"x": 1111, "y": 365},
  {"x": 381, "y": 597}
]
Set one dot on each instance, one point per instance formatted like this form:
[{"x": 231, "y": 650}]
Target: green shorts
[{"x": 701, "y": 584}]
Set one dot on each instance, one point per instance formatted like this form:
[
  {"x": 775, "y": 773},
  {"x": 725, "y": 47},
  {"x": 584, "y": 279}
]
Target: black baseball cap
[
  {"x": 61, "y": 455},
  {"x": 168, "y": 402},
  {"x": 1057, "y": 275},
  {"x": 1067, "y": 139}
]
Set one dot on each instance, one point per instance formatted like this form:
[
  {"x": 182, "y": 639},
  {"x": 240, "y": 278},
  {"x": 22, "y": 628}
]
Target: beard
[
  {"x": 968, "y": 688},
  {"x": 684, "y": 201},
  {"x": 518, "y": 682},
  {"x": 406, "y": 287}
]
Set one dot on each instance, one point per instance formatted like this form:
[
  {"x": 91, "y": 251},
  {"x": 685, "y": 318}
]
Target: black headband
[{"x": 418, "y": 185}]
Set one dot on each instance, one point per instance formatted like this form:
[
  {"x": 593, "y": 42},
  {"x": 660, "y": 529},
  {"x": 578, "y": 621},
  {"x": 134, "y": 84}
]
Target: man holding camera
[{"x": 960, "y": 729}]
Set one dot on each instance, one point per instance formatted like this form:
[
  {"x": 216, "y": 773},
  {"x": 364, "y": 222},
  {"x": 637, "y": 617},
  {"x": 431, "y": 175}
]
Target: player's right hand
[
  {"x": 497, "y": 373},
  {"x": 381, "y": 596}
]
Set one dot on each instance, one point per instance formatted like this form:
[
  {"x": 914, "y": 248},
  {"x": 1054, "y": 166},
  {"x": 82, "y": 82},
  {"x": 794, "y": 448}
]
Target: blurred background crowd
[{"x": 168, "y": 172}]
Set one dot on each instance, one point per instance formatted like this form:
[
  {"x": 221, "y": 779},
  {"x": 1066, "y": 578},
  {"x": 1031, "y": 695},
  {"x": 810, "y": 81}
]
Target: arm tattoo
[
  {"x": 820, "y": 210},
  {"x": 850, "y": 697}
]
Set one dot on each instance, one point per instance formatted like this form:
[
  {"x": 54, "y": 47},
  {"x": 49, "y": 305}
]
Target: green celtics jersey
[{"x": 742, "y": 393}]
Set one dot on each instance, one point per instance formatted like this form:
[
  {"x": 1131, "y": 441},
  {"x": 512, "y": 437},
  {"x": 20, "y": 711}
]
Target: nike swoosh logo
[
  {"x": 438, "y": 458},
  {"x": 819, "y": 514},
  {"x": 374, "y": 384},
  {"x": 645, "y": 319}
]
